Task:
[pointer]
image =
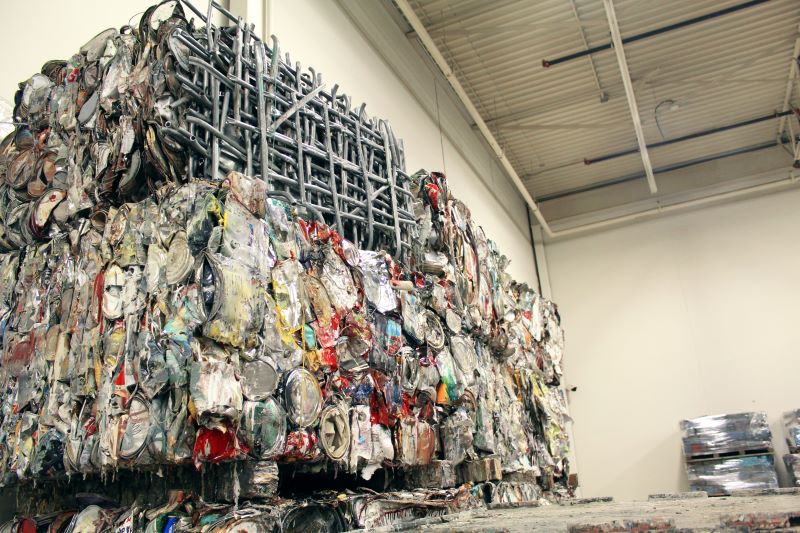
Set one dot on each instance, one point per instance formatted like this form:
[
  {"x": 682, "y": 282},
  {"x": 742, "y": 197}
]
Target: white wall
[
  {"x": 678, "y": 317},
  {"x": 318, "y": 34}
]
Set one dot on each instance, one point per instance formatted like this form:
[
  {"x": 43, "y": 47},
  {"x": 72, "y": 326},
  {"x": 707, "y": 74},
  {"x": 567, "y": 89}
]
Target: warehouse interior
[{"x": 636, "y": 161}]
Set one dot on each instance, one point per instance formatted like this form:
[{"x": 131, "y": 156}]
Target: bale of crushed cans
[
  {"x": 791, "y": 427},
  {"x": 708, "y": 435},
  {"x": 165, "y": 300},
  {"x": 724, "y": 453},
  {"x": 184, "y": 511},
  {"x": 792, "y": 463},
  {"x": 720, "y": 477}
]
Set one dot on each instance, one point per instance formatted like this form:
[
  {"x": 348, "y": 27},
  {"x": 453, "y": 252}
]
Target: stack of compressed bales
[
  {"x": 729, "y": 452},
  {"x": 246, "y": 272}
]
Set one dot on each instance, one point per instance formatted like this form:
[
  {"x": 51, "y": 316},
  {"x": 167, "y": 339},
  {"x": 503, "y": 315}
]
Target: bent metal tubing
[{"x": 246, "y": 107}]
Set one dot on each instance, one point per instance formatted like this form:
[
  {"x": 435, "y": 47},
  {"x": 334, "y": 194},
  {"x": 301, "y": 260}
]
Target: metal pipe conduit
[
  {"x": 695, "y": 135},
  {"x": 666, "y": 168},
  {"x": 658, "y": 31}
]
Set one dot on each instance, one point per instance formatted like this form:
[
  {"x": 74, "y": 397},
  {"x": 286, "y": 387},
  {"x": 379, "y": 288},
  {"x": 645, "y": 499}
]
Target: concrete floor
[{"x": 686, "y": 513}]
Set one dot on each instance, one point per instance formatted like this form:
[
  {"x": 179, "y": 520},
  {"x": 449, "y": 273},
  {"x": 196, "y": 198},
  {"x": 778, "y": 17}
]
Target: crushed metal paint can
[
  {"x": 264, "y": 426},
  {"x": 334, "y": 432},
  {"x": 303, "y": 397}
]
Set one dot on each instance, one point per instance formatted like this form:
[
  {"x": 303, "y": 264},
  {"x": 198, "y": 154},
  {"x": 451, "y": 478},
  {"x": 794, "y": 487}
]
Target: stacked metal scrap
[
  {"x": 791, "y": 427},
  {"x": 722, "y": 476},
  {"x": 160, "y": 305},
  {"x": 165, "y": 103},
  {"x": 183, "y": 511},
  {"x": 792, "y": 462},
  {"x": 725, "y": 433},
  {"x": 729, "y": 452}
]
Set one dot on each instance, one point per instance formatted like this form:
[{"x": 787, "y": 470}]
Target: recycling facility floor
[{"x": 686, "y": 513}]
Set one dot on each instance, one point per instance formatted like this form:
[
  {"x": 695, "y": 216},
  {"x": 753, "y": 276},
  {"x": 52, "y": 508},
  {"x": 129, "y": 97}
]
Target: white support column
[
  {"x": 547, "y": 292},
  {"x": 217, "y": 19},
  {"x": 616, "y": 38},
  {"x": 255, "y": 12},
  {"x": 794, "y": 71},
  {"x": 541, "y": 261}
]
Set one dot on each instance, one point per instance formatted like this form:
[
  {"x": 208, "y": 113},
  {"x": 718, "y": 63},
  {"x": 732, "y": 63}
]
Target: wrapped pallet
[{"x": 729, "y": 452}]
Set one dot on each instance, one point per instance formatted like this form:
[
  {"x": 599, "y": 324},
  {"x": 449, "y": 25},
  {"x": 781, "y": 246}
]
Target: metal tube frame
[{"x": 248, "y": 110}]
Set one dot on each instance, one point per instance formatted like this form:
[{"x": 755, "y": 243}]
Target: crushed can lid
[
  {"x": 259, "y": 379},
  {"x": 316, "y": 518},
  {"x": 137, "y": 428},
  {"x": 264, "y": 424},
  {"x": 303, "y": 397},
  {"x": 334, "y": 432},
  {"x": 179, "y": 259}
]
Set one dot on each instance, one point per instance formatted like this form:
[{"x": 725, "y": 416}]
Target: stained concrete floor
[{"x": 686, "y": 513}]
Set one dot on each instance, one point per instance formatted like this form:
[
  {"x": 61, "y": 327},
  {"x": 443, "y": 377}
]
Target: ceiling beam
[
  {"x": 616, "y": 38},
  {"x": 600, "y": 92},
  {"x": 441, "y": 62},
  {"x": 794, "y": 71},
  {"x": 605, "y": 126}
]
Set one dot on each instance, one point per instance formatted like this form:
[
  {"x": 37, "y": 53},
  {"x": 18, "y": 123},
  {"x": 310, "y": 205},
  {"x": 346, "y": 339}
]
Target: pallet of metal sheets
[
  {"x": 791, "y": 428},
  {"x": 720, "y": 477},
  {"x": 726, "y": 435},
  {"x": 792, "y": 462}
]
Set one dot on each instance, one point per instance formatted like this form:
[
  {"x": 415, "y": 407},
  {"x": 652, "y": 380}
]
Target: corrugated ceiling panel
[{"x": 719, "y": 72}]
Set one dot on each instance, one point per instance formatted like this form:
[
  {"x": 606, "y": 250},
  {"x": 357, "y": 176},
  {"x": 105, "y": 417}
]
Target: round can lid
[
  {"x": 179, "y": 259},
  {"x": 137, "y": 428},
  {"x": 264, "y": 424},
  {"x": 315, "y": 517},
  {"x": 303, "y": 397},
  {"x": 334, "y": 432},
  {"x": 259, "y": 379},
  {"x": 464, "y": 354},
  {"x": 453, "y": 321},
  {"x": 434, "y": 333}
]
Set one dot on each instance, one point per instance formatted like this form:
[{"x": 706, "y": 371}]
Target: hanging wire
[{"x": 655, "y": 113}]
